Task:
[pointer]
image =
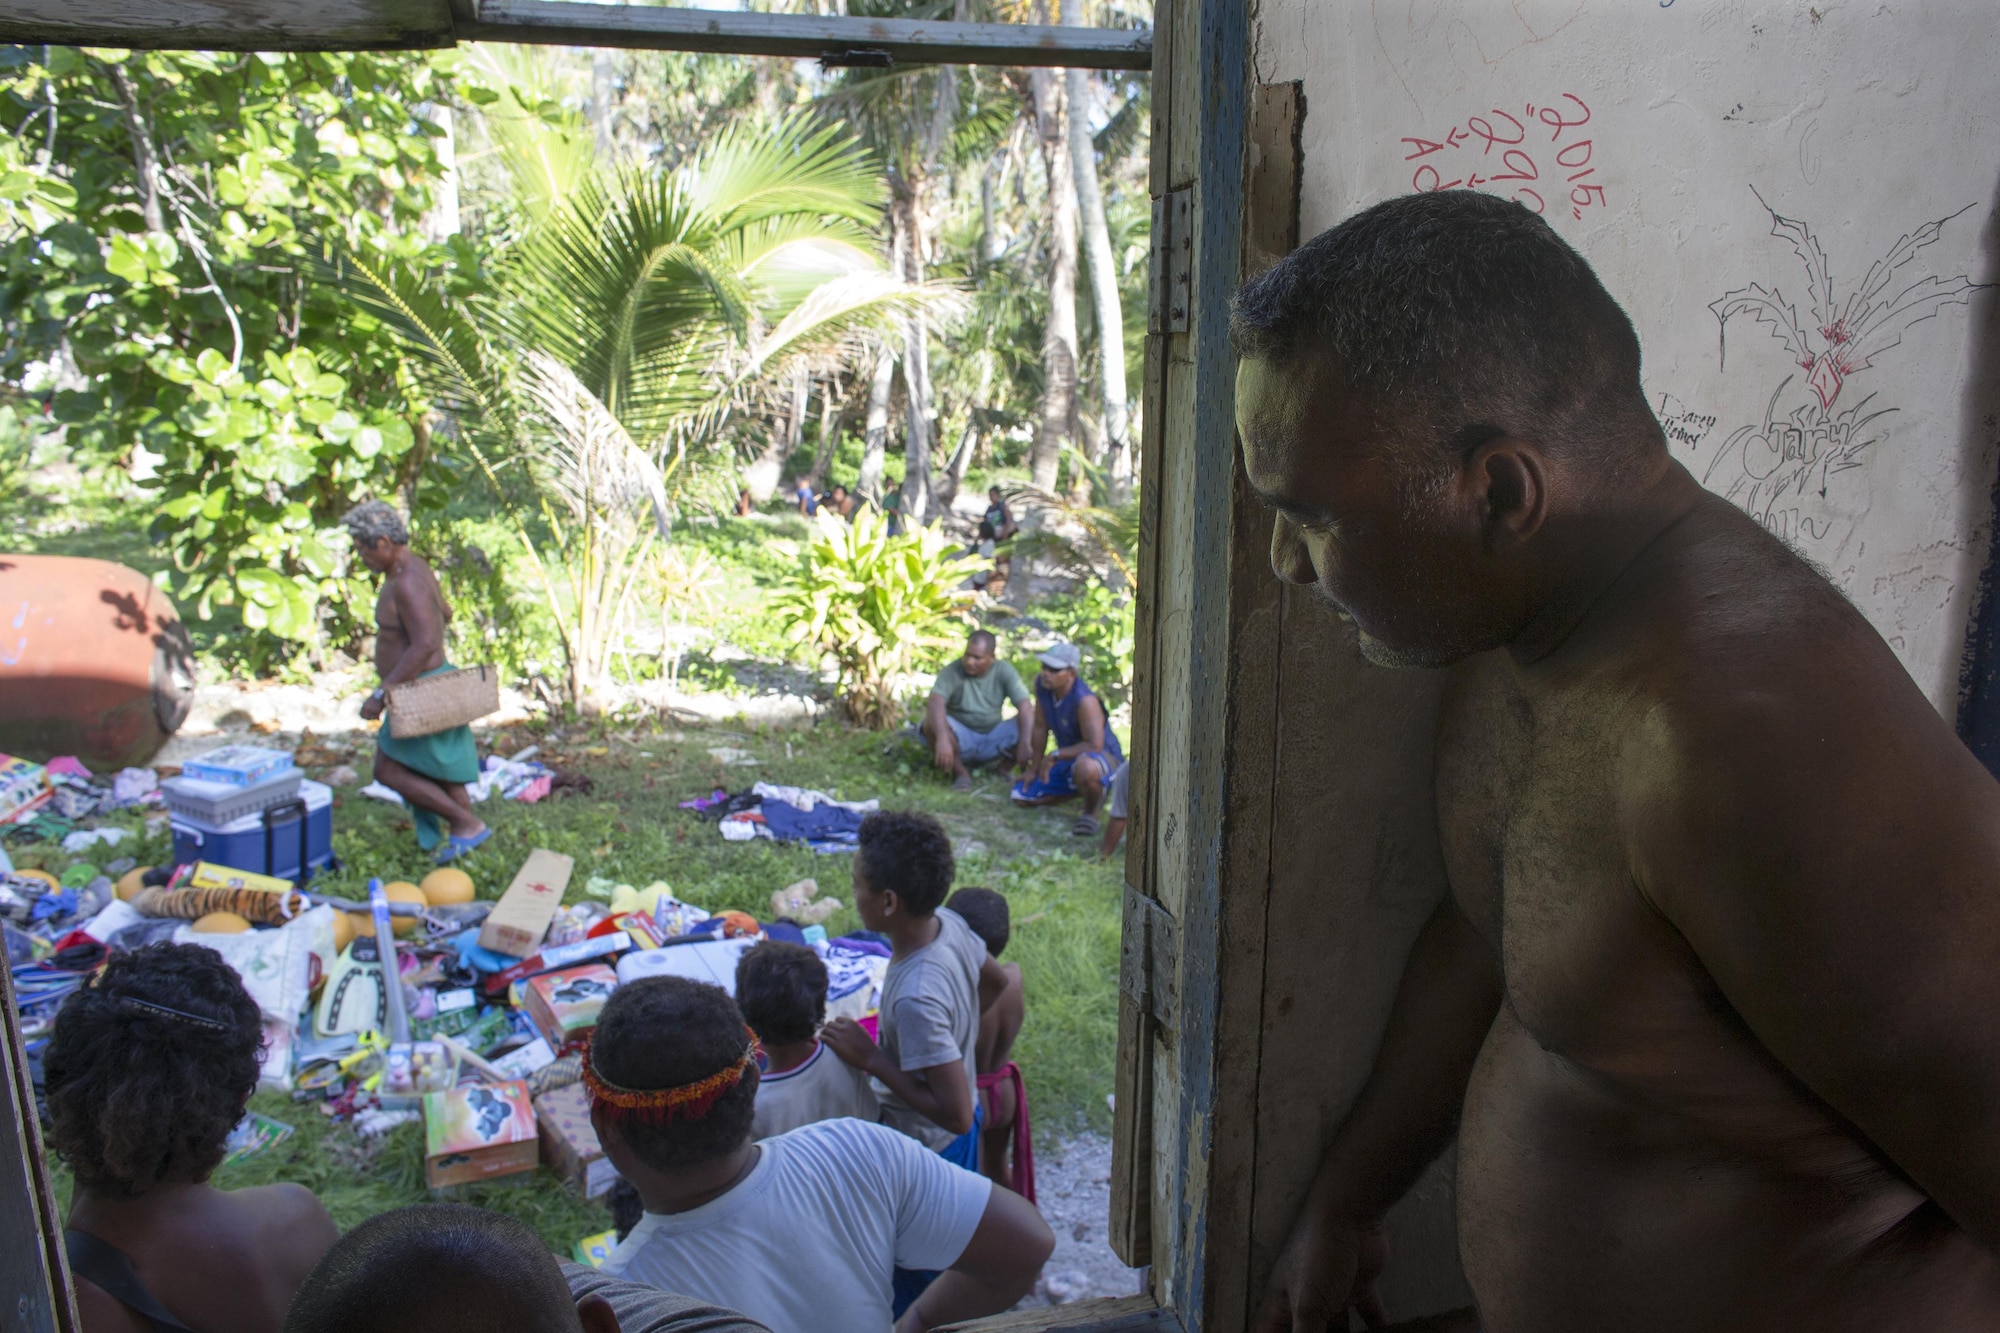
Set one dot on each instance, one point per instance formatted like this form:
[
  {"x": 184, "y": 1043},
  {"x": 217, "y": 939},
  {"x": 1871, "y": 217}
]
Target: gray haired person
[{"x": 430, "y": 772}]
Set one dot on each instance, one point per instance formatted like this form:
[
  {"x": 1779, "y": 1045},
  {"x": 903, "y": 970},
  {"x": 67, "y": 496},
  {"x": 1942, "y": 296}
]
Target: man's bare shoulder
[
  {"x": 1730, "y": 627},
  {"x": 1766, "y": 714}
]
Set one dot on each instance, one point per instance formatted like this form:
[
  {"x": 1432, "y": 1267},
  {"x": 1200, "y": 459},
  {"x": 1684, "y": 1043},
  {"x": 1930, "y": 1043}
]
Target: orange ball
[
  {"x": 402, "y": 891},
  {"x": 447, "y": 885}
]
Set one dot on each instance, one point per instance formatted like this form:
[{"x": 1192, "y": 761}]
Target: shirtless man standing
[
  {"x": 430, "y": 772},
  {"x": 1713, "y": 1006}
]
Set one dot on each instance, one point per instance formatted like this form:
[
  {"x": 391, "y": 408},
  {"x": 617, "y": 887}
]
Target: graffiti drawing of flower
[{"x": 1841, "y": 340}]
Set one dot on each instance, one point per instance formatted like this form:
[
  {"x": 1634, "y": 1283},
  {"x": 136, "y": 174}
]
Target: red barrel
[{"x": 94, "y": 662}]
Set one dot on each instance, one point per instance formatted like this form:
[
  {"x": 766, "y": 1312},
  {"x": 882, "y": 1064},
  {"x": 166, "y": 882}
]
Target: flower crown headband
[{"x": 689, "y": 1101}]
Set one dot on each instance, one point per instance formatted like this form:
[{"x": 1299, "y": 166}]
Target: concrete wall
[{"x": 1852, "y": 407}]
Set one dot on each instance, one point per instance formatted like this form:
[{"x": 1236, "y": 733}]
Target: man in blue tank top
[{"x": 1087, "y": 751}]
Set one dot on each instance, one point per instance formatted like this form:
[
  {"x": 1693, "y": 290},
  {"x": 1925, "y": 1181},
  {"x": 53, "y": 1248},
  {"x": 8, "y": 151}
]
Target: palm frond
[
  {"x": 838, "y": 309},
  {"x": 590, "y": 463},
  {"x": 801, "y": 165}
]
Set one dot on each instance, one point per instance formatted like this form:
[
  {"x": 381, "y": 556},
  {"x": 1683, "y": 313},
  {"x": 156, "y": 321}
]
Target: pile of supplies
[{"x": 422, "y": 1003}]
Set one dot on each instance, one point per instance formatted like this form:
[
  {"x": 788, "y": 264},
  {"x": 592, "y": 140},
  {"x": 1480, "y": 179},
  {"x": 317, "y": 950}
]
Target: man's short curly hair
[
  {"x": 667, "y": 1032},
  {"x": 907, "y": 851},
  {"x": 150, "y": 1067},
  {"x": 781, "y": 988},
  {"x": 439, "y": 1268},
  {"x": 985, "y": 910},
  {"x": 372, "y": 520},
  {"x": 1463, "y": 316}
]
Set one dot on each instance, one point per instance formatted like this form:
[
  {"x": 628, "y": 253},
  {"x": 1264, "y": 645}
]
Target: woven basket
[{"x": 430, "y": 704}]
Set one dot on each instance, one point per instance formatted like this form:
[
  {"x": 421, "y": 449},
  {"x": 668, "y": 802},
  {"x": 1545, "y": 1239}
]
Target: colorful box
[
  {"x": 237, "y": 765},
  {"x": 569, "y": 1144},
  {"x": 562, "y": 1004},
  {"x": 24, "y": 787},
  {"x": 478, "y": 1131}
]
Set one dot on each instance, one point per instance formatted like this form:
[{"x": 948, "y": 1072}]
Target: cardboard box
[
  {"x": 478, "y": 1131},
  {"x": 562, "y": 1004},
  {"x": 521, "y": 917},
  {"x": 569, "y": 1144}
]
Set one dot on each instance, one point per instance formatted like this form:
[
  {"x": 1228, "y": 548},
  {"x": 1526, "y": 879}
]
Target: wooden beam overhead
[
  {"x": 306, "y": 25},
  {"x": 905, "y": 41},
  {"x": 229, "y": 25}
]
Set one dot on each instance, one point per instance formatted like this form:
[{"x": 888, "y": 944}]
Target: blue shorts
[
  {"x": 1062, "y": 778},
  {"x": 962, "y": 1152}
]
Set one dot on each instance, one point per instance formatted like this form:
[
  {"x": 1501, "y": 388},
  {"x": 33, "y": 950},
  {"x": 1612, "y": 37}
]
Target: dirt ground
[{"x": 1073, "y": 1191}]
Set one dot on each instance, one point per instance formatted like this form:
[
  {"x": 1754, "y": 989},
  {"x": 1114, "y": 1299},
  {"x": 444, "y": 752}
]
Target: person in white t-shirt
[
  {"x": 802, "y": 1232},
  {"x": 781, "y": 989}
]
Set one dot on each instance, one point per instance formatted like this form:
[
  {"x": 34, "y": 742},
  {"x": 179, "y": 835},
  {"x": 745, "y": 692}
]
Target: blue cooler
[{"x": 291, "y": 840}]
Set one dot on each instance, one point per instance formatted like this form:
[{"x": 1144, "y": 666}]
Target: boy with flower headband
[{"x": 802, "y": 1231}]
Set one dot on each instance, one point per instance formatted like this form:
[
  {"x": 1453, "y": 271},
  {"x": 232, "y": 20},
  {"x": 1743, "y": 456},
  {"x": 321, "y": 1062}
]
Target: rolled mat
[{"x": 255, "y": 905}]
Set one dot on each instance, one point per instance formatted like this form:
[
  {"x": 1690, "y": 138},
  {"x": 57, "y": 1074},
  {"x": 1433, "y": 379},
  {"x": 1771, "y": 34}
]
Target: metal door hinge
[
  {"x": 1149, "y": 957},
  {"x": 1173, "y": 262}
]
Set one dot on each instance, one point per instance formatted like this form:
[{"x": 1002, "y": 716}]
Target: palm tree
[{"x": 591, "y": 382}]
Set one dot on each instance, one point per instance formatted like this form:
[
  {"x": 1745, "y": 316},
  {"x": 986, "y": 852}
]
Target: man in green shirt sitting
[{"x": 963, "y": 717}]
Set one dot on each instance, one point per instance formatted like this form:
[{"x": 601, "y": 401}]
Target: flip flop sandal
[
  {"x": 1084, "y": 827},
  {"x": 962, "y": 784},
  {"x": 455, "y": 846}
]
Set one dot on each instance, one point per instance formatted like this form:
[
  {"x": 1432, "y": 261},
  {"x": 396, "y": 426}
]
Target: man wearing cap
[
  {"x": 964, "y": 717},
  {"x": 1087, "y": 751}
]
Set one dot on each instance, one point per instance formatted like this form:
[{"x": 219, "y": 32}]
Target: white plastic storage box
[
  {"x": 237, "y": 765},
  {"x": 219, "y": 803},
  {"x": 290, "y": 840}
]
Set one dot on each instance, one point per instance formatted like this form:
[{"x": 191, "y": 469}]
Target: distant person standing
[
  {"x": 430, "y": 772},
  {"x": 964, "y": 715},
  {"x": 803, "y": 497},
  {"x": 996, "y": 526},
  {"x": 1087, "y": 751},
  {"x": 744, "y": 505}
]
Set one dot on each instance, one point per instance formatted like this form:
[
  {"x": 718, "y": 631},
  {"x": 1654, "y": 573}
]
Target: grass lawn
[{"x": 1065, "y": 911}]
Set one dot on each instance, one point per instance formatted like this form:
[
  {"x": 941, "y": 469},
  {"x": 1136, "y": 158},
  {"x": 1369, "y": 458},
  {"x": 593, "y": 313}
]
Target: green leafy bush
[
  {"x": 1100, "y": 622},
  {"x": 878, "y": 605},
  {"x": 159, "y": 216}
]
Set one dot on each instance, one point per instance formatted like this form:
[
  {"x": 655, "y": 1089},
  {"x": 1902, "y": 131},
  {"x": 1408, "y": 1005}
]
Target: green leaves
[
  {"x": 271, "y": 406},
  {"x": 879, "y": 605}
]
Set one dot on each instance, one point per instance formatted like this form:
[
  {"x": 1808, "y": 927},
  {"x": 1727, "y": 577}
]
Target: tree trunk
[
  {"x": 968, "y": 440},
  {"x": 761, "y": 477},
  {"x": 875, "y": 440},
  {"x": 832, "y": 421},
  {"x": 603, "y": 73},
  {"x": 1059, "y": 358},
  {"x": 1103, "y": 279},
  {"x": 441, "y": 222},
  {"x": 989, "y": 236},
  {"x": 907, "y": 258},
  {"x": 144, "y": 161}
]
